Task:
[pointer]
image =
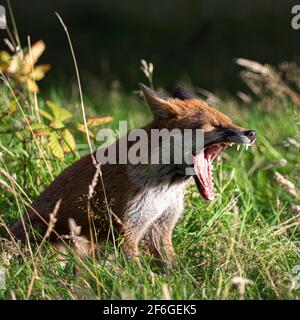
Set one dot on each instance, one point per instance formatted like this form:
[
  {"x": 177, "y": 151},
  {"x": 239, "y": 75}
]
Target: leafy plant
[
  {"x": 21, "y": 67},
  {"x": 20, "y": 71},
  {"x": 61, "y": 140}
]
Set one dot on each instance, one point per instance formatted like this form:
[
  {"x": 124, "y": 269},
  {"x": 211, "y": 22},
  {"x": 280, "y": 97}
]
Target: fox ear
[
  {"x": 182, "y": 94},
  {"x": 159, "y": 105}
]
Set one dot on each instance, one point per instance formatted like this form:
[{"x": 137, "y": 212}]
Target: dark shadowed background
[{"x": 192, "y": 41}]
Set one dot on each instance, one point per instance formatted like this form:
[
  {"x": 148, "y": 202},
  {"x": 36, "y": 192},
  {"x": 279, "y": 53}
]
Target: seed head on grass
[
  {"x": 52, "y": 219},
  {"x": 147, "y": 68},
  {"x": 287, "y": 185}
]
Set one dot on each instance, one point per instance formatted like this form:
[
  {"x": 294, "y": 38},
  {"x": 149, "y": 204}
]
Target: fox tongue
[{"x": 203, "y": 178}]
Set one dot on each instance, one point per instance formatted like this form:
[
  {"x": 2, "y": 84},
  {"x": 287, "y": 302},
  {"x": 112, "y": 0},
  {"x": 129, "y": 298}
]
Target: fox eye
[{"x": 218, "y": 125}]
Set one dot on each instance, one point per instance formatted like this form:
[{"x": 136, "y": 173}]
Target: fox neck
[
  {"x": 161, "y": 174},
  {"x": 155, "y": 175}
]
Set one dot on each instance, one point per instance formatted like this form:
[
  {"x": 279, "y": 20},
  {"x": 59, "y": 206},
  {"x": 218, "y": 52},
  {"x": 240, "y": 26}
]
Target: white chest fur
[{"x": 152, "y": 202}]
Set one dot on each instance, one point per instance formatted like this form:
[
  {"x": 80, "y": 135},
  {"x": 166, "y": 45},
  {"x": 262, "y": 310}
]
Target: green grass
[{"x": 214, "y": 241}]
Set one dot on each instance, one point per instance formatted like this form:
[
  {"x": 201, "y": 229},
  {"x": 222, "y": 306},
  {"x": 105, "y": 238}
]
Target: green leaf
[
  {"x": 55, "y": 146},
  {"x": 57, "y": 124},
  {"x": 39, "y": 127},
  {"x": 12, "y": 107},
  {"x": 45, "y": 114},
  {"x": 6, "y": 128},
  {"x": 32, "y": 86},
  {"x": 68, "y": 141},
  {"x": 60, "y": 113},
  {"x": 19, "y": 135},
  {"x": 4, "y": 60},
  {"x": 39, "y": 72}
]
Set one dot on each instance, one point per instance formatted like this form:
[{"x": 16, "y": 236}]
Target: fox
[{"x": 141, "y": 201}]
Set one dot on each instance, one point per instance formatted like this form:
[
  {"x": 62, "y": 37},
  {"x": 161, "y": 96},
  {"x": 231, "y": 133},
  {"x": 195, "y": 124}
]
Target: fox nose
[{"x": 251, "y": 134}]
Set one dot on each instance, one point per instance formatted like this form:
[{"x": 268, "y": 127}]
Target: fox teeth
[
  {"x": 238, "y": 147},
  {"x": 247, "y": 147},
  {"x": 231, "y": 144}
]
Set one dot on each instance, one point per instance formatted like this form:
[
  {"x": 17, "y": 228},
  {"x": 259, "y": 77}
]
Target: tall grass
[
  {"x": 243, "y": 245},
  {"x": 250, "y": 232}
]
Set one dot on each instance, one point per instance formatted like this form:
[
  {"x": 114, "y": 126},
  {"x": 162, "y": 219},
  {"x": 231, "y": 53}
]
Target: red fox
[{"x": 146, "y": 199}]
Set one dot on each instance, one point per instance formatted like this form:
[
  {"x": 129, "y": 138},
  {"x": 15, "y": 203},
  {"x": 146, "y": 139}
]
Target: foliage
[
  {"x": 55, "y": 125},
  {"x": 21, "y": 67}
]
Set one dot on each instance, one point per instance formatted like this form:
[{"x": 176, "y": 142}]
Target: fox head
[{"x": 185, "y": 111}]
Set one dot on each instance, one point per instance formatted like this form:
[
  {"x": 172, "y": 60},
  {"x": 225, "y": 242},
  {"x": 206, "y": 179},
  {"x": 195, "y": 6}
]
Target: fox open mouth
[{"x": 203, "y": 166}]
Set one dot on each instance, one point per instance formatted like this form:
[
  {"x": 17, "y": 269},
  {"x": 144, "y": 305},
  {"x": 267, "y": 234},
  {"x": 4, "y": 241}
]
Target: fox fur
[{"x": 146, "y": 201}]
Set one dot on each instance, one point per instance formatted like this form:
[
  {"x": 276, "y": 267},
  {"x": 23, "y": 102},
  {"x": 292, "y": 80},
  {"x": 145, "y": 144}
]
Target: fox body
[{"x": 139, "y": 200}]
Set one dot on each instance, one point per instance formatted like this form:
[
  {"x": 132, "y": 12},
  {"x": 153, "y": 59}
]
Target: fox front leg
[
  {"x": 159, "y": 235},
  {"x": 160, "y": 245},
  {"x": 133, "y": 230},
  {"x": 130, "y": 249},
  {"x": 135, "y": 225}
]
